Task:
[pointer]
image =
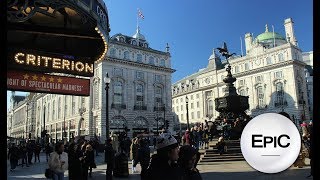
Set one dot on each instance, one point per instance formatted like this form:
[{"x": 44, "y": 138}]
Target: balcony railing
[
  {"x": 139, "y": 107},
  {"x": 118, "y": 106},
  {"x": 284, "y": 103}
]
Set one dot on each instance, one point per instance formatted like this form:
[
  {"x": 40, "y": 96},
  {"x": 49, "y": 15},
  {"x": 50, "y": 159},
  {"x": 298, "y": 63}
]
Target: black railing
[
  {"x": 118, "y": 106},
  {"x": 158, "y": 108},
  {"x": 138, "y": 107}
]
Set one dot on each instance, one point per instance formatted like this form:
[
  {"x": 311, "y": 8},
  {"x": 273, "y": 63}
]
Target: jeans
[{"x": 58, "y": 176}]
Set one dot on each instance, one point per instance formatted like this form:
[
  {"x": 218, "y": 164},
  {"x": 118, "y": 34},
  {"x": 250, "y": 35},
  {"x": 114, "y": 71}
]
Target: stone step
[
  {"x": 229, "y": 150},
  {"x": 225, "y": 154},
  {"x": 223, "y": 159}
]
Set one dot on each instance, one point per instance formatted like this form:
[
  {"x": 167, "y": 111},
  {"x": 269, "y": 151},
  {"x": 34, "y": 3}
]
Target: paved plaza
[{"x": 219, "y": 170}]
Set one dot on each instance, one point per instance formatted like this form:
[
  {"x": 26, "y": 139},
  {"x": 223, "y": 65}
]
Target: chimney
[
  {"x": 288, "y": 25},
  {"x": 248, "y": 42}
]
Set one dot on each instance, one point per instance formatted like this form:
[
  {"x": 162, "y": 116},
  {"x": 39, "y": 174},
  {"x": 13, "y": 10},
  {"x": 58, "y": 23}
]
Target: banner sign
[
  {"x": 38, "y": 61},
  {"x": 45, "y": 83}
]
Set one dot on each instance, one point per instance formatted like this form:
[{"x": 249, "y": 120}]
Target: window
[
  {"x": 181, "y": 117},
  {"x": 280, "y": 57},
  {"x": 151, "y": 60},
  {"x": 59, "y": 108},
  {"x": 121, "y": 39},
  {"x": 118, "y": 72},
  {"x": 278, "y": 74},
  {"x": 134, "y": 42},
  {"x": 113, "y": 52},
  {"x": 242, "y": 82},
  {"x": 73, "y": 105},
  {"x": 210, "y": 108},
  {"x": 192, "y": 115},
  {"x": 126, "y": 55},
  {"x": 139, "y": 58},
  {"x": 139, "y": 94},
  {"x": 181, "y": 107},
  {"x": 181, "y": 100},
  {"x": 117, "y": 92},
  {"x": 258, "y": 79},
  {"x": 236, "y": 69},
  {"x": 242, "y": 92},
  {"x": 197, "y": 104},
  {"x": 145, "y": 45},
  {"x": 260, "y": 95},
  {"x": 158, "y": 97},
  {"x": 246, "y": 66},
  {"x": 279, "y": 94},
  {"x": 140, "y": 75},
  {"x": 198, "y": 114},
  {"x": 269, "y": 61},
  {"x": 191, "y": 105},
  {"x": 158, "y": 78},
  {"x": 197, "y": 96},
  {"x": 162, "y": 63},
  {"x": 177, "y": 101},
  {"x": 177, "y": 108}
]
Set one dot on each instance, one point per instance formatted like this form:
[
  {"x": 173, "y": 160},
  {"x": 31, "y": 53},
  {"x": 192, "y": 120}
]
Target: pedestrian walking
[
  {"x": 144, "y": 158},
  {"x": 163, "y": 164},
  {"x": 110, "y": 153},
  {"x": 24, "y": 152},
  {"x": 58, "y": 161},
  {"x": 30, "y": 151},
  {"x": 74, "y": 161},
  {"x": 13, "y": 156},
  {"x": 221, "y": 146},
  {"x": 87, "y": 161},
  {"x": 37, "y": 150},
  {"x": 134, "y": 153},
  {"x": 48, "y": 150},
  {"x": 187, "y": 160}
]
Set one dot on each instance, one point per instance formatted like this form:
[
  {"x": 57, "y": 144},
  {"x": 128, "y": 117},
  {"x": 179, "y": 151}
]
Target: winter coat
[
  {"x": 144, "y": 156},
  {"x": 13, "y": 153},
  {"x": 88, "y": 159},
  {"x": 110, "y": 152},
  {"x": 160, "y": 169},
  {"x": 134, "y": 151},
  {"x": 55, "y": 162}
]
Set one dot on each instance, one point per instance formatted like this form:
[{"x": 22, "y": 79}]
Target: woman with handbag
[{"x": 58, "y": 162}]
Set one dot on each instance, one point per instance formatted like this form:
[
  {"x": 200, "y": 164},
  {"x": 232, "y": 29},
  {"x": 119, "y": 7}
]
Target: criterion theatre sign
[{"x": 45, "y": 62}]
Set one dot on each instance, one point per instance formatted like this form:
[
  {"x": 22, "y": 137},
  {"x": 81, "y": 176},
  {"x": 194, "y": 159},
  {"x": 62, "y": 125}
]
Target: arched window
[
  {"x": 280, "y": 57},
  {"x": 134, "y": 42},
  {"x": 236, "y": 69},
  {"x": 279, "y": 94},
  {"x": 113, "y": 52},
  {"x": 151, "y": 60},
  {"x": 260, "y": 96},
  {"x": 121, "y": 39},
  {"x": 139, "y": 58},
  {"x": 269, "y": 61},
  {"x": 117, "y": 92},
  {"x": 139, "y": 94},
  {"x": 145, "y": 45},
  {"x": 162, "y": 63},
  {"x": 126, "y": 55}
]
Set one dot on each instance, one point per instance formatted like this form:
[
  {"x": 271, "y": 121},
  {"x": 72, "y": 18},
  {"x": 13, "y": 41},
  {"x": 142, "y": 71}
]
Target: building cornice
[
  {"x": 140, "y": 65},
  {"x": 140, "y": 48}
]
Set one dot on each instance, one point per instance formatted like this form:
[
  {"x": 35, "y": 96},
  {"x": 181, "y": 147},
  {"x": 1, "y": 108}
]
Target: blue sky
[{"x": 194, "y": 27}]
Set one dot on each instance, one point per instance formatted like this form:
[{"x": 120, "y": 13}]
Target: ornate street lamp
[
  {"x": 187, "y": 103},
  {"x": 107, "y": 81},
  {"x": 27, "y": 122}
]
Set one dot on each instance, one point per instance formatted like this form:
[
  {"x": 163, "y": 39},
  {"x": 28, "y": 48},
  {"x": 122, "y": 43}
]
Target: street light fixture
[
  {"x": 107, "y": 81},
  {"x": 187, "y": 103}
]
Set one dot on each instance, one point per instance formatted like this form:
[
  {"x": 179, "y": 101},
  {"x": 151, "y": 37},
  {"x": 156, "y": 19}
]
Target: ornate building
[
  {"x": 139, "y": 95},
  {"x": 272, "y": 74}
]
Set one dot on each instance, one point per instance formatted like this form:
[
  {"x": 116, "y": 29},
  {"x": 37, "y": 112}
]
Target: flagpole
[
  {"x": 241, "y": 46},
  {"x": 274, "y": 41},
  {"x": 137, "y": 18}
]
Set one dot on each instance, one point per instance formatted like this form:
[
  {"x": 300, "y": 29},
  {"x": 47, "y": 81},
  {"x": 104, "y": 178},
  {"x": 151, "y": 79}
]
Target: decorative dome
[
  {"x": 267, "y": 36},
  {"x": 138, "y": 35}
]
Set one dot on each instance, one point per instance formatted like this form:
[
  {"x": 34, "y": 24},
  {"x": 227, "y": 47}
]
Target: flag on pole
[{"x": 140, "y": 14}]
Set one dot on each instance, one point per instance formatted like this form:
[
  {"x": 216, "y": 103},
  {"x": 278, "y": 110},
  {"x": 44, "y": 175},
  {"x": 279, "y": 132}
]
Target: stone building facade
[{"x": 272, "y": 74}]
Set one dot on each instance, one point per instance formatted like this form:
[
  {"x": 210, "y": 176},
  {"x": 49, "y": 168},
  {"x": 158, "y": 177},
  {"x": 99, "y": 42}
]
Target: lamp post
[
  {"x": 164, "y": 116},
  {"x": 27, "y": 121},
  {"x": 107, "y": 81},
  {"x": 64, "y": 120},
  {"x": 187, "y": 103}
]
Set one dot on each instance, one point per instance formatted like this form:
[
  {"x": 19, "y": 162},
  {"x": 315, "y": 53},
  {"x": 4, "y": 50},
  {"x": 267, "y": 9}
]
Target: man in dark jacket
[
  {"x": 164, "y": 164},
  {"x": 144, "y": 158},
  {"x": 109, "y": 157},
  {"x": 37, "y": 151},
  {"x": 30, "y": 150},
  {"x": 13, "y": 155}
]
